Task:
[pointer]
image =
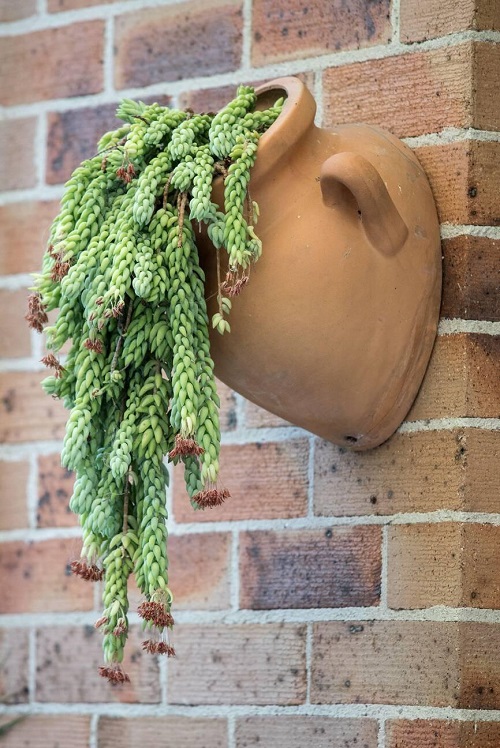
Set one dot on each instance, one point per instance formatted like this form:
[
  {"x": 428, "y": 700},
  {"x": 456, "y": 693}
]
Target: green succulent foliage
[{"x": 122, "y": 267}]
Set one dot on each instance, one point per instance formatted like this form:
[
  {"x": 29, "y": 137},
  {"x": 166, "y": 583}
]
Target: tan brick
[
  {"x": 38, "y": 578},
  {"x": 14, "y": 10},
  {"x": 420, "y": 733},
  {"x": 199, "y": 572},
  {"x": 471, "y": 278},
  {"x": 250, "y": 664},
  {"x": 462, "y": 379},
  {"x": 483, "y": 460},
  {"x": 52, "y": 63},
  {"x": 55, "y": 487},
  {"x": 332, "y": 568},
  {"x": 464, "y": 178},
  {"x": 296, "y": 29},
  {"x": 17, "y": 152},
  {"x": 14, "y": 655},
  {"x": 369, "y": 662},
  {"x": 15, "y": 338},
  {"x": 26, "y": 412},
  {"x": 480, "y": 657},
  {"x": 432, "y": 18},
  {"x": 67, "y": 668},
  {"x": 425, "y": 565},
  {"x": 13, "y": 486},
  {"x": 416, "y": 472},
  {"x": 174, "y": 42},
  {"x": 437, "y": 83},
  {"x": 48, "y": 731},
  {"x": 487, "y": 85},
  {"x": 181, "y": 731},
  {"x": 297, "y": 732},
  {"x": 266, "y": 481},
  {"x": 24, "y": 231}
]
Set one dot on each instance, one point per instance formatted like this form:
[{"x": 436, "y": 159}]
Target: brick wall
[{"x": 348, "y": 600}]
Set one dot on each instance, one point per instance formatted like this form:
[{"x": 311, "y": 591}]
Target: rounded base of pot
[{"x": 335, "y": 328}]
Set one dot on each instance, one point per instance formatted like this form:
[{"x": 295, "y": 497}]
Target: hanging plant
[{"x": 122, "y": 267}]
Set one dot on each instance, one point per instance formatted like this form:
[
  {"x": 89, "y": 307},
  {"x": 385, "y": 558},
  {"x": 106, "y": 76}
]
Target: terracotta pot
[{"x": 335, "y": 328}]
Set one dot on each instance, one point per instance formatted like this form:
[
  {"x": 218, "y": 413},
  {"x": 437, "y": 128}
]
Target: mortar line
[
  {"x": 235, "y": 571},
  {"x": 450, "y": 231},
  {"x": 163, "y": 676},
  {"x": 384, "y": 569},
  {"x": 108, "y": 63},
  {"x": 32, "y": 493},
  {"x": 246, "y": 51},
  {"x": 41, "y": 148},
  {"x": 94, "y": 731},
  {"x": 310, "y": 477},
  {"x": 309, "y": 653},
  {"x": 395, "y": 22},
  {"x": 32, "y": 665},
  {"x": 381, "y": 733},
  {"x": 457, "y": 326},
  {"x": 318, "y": 97},
  {"x": 231, "y": 731}
]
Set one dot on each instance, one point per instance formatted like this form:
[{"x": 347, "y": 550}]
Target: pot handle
[{"x": 350, "y": 181}]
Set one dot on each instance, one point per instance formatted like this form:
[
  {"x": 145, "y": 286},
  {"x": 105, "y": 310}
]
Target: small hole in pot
[{"x": 351, "y": 439}]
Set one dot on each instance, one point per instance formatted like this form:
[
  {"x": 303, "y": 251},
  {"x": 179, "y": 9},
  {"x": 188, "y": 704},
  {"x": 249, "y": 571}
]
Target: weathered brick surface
[
  {"x": 39, "y": 577},
  {"x": 425, "y": 565},
  {"x": 298, "y": 29},
  {"x": 266, "y": 481},
  {"x": 17, "y": 153},
  {"x": 487, "y": 84},
  {"x": 435, "y": 733},
  {"x": 238, "y": 665},
  {"x": 437, "y": 83},
  {"x": 181, "y": 731},
  {"x": 26, "y": 412},
  {"x": 480, "y": 659},
  {"x": 178, "y": 41},
  {"x": 462, "y": 379},
  {"x": 14, "y": 10},
  {"x": 14, "y": 654},
  {"x": 13, "y": 486},
  {"x": 68, "y": 659},
  {"x": 48, "y": 731},
  {"x": 52, "y": 64},
  {"x": 15, "y": 338},
  {"x": 370, "y": 661},
  {"x": 297, "y": 732},
  {"x": 55, "y": 486},
  {"x": 199, "y": 572},
  {"x": 483, "y": 458},
  {"x": 24, "y": 230},
  {"x": 481, "y": 560},
  {"x": 463, "y": 177},
  {"x": 433, "y": 18},
  {"x": 310, "y": 568},
  {"x": 416, "y": 472},
  {"x": 471, "y": 278}
]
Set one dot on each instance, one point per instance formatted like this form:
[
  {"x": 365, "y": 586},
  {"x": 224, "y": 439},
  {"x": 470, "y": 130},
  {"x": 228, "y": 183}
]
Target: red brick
[
  {"x": 49, "y": 731},
  {"x": 67, "y": 668},
  {"x": 174, "y": 42},
  {"x": 415, "y": 472},
  {"x": 487, "y": 85},
  {"x": 296, "y": 29},
  {"x": 38, "y": 579},
  {"x": 24, "y": 231},
  {"x": 480, "y": 656},
  {"x": 464, "y": 179},
  {"x": 369, "y": 662},
  {"x": 435, "y": 733},
  {"x": 14, "y": 655},
  {"x": 15, "y": 338},
  {"x": 55, "y": 487},
  {"x": 17, "y": 152},
  {"x": 425, "y": 565},
  {"x": 249, "y": 664},
  {"x": 481, "y": 562},
  {"x": 26, "y": 412},
  {"x": 438, "y": 84},
  {"x": 433, "y": 18},
  {"x": 483, "y": 459},
  {"x": 53, "y": 63},
  {"x": 14, "y": 10},
  {"x": 471, "y": 278},
  {"x": 181, "y": 731},
  {"x": 338, "y": 567},
  {"x": 297, "y": 732},
  {"x": 462, "y": 379},
  {"x": 199, "y": 572},
  {"x": 13, "y": 486},
  {"x": 266, "y": 481}
]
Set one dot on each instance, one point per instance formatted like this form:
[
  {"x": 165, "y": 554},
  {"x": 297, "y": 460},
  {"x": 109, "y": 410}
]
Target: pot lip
[{"x": 295, "y": 119}]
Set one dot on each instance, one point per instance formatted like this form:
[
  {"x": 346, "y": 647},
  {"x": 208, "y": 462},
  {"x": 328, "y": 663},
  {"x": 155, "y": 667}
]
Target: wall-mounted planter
[{"x": 335, "y": 330}]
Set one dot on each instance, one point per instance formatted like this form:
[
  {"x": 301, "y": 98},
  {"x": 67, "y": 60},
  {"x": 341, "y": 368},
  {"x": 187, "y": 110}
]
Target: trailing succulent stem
[{"x": 122, "y": 267}]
